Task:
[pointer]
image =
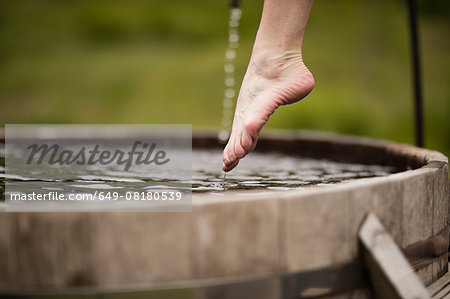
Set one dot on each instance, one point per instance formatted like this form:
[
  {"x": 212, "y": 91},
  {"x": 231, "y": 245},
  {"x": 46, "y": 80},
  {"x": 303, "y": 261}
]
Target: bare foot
[{"x": 271, "y": 80}]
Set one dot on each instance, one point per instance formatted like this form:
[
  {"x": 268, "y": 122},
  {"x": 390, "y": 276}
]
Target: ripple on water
[{"x": 271, "y": 171}]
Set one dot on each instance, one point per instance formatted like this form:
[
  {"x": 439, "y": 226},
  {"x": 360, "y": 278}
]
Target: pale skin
[{"x": 275, "y": 76}]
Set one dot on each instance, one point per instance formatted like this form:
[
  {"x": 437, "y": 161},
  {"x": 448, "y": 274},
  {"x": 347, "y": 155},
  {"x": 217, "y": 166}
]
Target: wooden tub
[{"x": 266, "y": 244}]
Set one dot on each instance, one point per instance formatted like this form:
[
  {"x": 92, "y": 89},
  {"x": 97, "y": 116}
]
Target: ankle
[
  {"x": 271, "y": 63},
  {"x": 268, "y": 48},
  {"x": 277, "y": 44}
]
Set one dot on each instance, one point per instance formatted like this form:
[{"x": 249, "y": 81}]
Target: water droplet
[
  {"x": 229, "y": 68},
  {"x": 233, "y": 23},
  {"x": 236, "y": 12},
  {"x": 229, "y": 93},
  {"x": 231, "y": 54},
  {"x": 229, "y": 82},
  {"x": 233, "y": 31},
  {"x": 223, "y": 136},
  {"x": 233, "y": 38}
]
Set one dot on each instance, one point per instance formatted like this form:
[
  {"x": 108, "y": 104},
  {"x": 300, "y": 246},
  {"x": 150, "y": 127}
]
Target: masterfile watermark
[
  {"x": 98, "y": 168},
  {"x": 97, "y": 156}
]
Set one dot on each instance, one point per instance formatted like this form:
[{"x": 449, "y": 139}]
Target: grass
[{"x": 162, "y": 62}]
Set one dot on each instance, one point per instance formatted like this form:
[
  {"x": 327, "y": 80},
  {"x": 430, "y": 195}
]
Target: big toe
[{"x": 228, "y": 167}]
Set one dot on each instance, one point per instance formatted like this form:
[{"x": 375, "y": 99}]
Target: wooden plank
[
  {"x": 443, "y": 294},
  {"x": 439, "y": 285},
  {"x": 390, "y": 273}
]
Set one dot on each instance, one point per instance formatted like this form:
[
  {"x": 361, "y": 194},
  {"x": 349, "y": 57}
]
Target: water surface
[{"x": 262, "y": 171}]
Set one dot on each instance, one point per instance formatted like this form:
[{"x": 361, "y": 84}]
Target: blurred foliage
[
  {"x": 160, "y": 61},
  {"x": 434, "y": 8}
]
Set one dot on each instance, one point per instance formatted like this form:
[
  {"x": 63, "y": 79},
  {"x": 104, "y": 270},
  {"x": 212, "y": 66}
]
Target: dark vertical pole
[
  {"x": 412, "y": 11},
  {"x": 234, "y": 3}
]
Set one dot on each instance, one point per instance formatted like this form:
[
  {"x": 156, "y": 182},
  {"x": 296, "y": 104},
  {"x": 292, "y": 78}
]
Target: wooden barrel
[{"x": 274, "y": 244}]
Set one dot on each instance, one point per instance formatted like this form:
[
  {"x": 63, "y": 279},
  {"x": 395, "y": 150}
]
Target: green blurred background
[{"x": 162, "y": 62}]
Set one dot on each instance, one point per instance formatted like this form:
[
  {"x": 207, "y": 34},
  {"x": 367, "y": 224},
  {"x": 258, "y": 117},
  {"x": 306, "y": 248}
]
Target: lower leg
[{"x": 276, "y": 74}]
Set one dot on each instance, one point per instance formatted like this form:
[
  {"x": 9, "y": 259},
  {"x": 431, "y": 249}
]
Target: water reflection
[{"x": 257, "y": 171}]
